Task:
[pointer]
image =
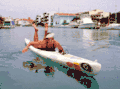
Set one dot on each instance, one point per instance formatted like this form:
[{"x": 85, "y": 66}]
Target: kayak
[{"x": 78, "y": 63}]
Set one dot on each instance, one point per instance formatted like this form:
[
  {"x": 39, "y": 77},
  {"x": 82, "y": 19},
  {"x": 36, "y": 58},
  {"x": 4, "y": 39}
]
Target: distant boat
[
  {"x": 74, "y": 24},
  {"x": 83, "y": 23},
  {"x": 26, "y": 23},
  {"x": 19, "y": 23},
  {"x": 86, "y": 23},
  {"x": 8, "y": 24},
  {"x": 64, "y": 26},
  {"x": 113, "y": 26}
]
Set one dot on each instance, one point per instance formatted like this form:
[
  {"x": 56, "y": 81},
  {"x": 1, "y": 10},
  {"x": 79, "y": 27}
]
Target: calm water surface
[{"x": 15, "y": 71}]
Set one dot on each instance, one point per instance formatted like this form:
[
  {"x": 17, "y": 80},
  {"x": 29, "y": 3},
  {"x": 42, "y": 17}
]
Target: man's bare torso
[{"x": 44, "y": 44}]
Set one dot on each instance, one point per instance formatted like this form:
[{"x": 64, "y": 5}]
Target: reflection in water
[
  {"x": 76, "y": 35},
  {"x": 87, "y": 81},
  {"x": 95, "y": 38},
  {"x": 95, "y": 35},
  {"x": 32, "y": 66},
  {"x": 49, "y": 71}
]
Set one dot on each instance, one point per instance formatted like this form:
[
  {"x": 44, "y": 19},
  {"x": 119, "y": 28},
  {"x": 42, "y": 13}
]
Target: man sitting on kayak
[{"x": 48, "y": 43}]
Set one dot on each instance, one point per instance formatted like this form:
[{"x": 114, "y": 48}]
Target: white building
[
  {"x": 8, "y": 19},
  {"x": 101, "y": 12},
  {"x": 41, "y": 16},
  {"x": 50, "y": 17},
  {"x": 38, "y": 18}
]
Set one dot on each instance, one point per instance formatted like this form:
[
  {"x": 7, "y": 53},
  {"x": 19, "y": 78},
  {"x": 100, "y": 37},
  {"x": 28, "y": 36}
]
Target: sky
[{"x": 31, "y": 8}]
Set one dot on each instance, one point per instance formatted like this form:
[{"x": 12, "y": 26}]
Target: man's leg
[
  {"x": 46, "y": 29},
  {"x": 36, "y": 35},
  {"x": 36, "y": 32}
]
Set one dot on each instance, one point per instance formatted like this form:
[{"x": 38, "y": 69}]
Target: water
[{"x": 15, "y": 71}]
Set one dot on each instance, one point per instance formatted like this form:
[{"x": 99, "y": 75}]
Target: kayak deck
[{"x": 66, "y": 58}]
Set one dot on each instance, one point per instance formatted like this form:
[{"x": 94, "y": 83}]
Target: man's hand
[
  {"x": 24, "y": 50},
  {"x": 62, "y": 53}
]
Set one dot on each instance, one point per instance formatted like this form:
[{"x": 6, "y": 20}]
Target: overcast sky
[{"x": 31, "y": 8}]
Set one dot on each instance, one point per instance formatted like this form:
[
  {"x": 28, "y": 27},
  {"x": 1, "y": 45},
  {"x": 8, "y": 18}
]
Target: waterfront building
[
  {"x": 8, "y": 22},
  {"x": 100, "y": 17},
  {"x": 27, "y": 22},
  {"x": 46, "y": 17},
  {"x": 38, "y": 19},
  {"x": 118, "y": 17},
  {"x": 17, "y": 21},
  {"x": 30, "y": 20},
  {"x": 41, "y": 19},
  {"x": 62, "y": 18},
  {"x": 50, "y": 18},
  {"x": 96, "y": 14},
  {"x": 99, "y": 13},
  {"x": 23, "y": 22},
  {"x": 115, "y": 17}
]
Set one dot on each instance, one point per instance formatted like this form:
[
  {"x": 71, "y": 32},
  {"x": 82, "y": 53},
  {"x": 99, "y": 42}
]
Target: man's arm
[
  {"x": 60, "y": 48},
  {"x": 31, "y": 43}
]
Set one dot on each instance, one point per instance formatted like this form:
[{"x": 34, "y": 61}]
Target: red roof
[
  {"x": 66, "y": 14},
  {"x": 100, "y": 12},
  {"x": 28, "y": 20},
  {"x": 25, "y": 19}
]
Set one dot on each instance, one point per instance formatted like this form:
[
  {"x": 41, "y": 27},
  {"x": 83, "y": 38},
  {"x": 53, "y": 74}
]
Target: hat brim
[{"x": 50, "y": 35}]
